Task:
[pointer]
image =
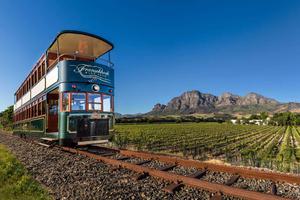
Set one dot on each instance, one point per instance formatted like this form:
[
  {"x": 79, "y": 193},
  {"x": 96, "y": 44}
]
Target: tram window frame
[
  {"x": 36, "y": 109},
  {"x": 68, "y": 101},
  {"x": 36, "y": 76},
  {"x": 39, "y": 108},
  {"x": 43, "y": 107},
  {"x": 39, "y": 72},
  {"x": 33, "y": 78},
  {"x": 85, "y": 103},
  {"x": 43, "y": 69},
  {"x": 110, "y": 103},
  {"x": 93, "y": 103},
  {"x": 33, "y": 111}
]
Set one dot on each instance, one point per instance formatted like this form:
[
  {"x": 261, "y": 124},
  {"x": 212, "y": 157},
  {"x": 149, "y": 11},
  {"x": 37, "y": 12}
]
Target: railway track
[
  {"x": 220, "y": 180},
  {"x": 187, "y": 176}
]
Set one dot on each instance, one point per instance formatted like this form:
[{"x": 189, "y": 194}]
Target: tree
[
  {"x": 254, "y": 117},
  {"x": 264, "y": 115},
  {"x": 286, "y": 118}
]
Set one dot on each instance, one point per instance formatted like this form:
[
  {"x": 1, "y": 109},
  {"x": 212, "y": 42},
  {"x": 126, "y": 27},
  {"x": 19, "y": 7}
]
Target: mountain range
[{"x": 194, "y": 101}]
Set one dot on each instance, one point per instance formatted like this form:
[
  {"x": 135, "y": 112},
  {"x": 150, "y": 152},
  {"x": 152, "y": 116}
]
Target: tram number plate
[{"x": 95, "y": 116}]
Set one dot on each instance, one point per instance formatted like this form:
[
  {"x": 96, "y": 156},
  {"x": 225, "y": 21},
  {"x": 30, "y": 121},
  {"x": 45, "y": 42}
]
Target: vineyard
[{"x": 273, "y": 147}]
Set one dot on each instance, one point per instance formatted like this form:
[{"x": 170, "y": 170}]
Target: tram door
[{"x": 52, "y": 100}]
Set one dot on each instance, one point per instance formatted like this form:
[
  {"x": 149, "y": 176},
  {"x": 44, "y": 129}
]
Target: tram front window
[
  {"x": 106, "y": 103},
  {"x": 78, "y": 101},
  {"x": 94, "y": 101}
]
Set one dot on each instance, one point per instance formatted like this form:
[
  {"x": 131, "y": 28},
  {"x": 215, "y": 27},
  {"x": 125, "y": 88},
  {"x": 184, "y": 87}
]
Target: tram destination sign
[
  {"x": 93, "y": 73},
  {"x": 73, "y": 71}
]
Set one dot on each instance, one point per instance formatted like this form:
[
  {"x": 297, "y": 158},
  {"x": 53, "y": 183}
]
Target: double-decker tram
[{"x": 69, "y": 94}]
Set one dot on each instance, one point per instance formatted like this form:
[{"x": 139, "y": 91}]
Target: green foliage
[
  {"x": 274, "y": 147},
  {"x": 15, "y": 183},
  {"x": 120, "y": 140},
  {"x": 6, "y": 118},
  {"x": 262, "y": 115},
  {"x": 172, "y": 119},
  {"x": 286, "y": 119},
  {"x": 254, "y": 117}
]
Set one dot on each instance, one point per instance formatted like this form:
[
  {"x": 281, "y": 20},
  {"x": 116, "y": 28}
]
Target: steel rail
[
  {"x": 243, "y": 172},
  {"x": 189, "y": 181}
]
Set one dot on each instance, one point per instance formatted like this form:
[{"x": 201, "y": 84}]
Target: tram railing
[{"x": 80, "y": 58}]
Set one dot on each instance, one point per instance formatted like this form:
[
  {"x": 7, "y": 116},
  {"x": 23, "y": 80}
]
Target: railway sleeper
[
  {"x": 123, "y": 158},
  {"x": 167, "y": 168},
  {"x": 143, "y": 162},
  {"x": 141, "y": 176},
  {"x": 212, "y": 187},
  {"x": 173, "y": 187},
  {"x": 273, "y": 189},
  {"x": 232, "y": 180},
  {"x": 198, "y": 174},
  {"x": 107, "y": 154}
]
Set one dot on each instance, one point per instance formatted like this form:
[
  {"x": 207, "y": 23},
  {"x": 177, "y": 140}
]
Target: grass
[{"x": 15, "y": 182}]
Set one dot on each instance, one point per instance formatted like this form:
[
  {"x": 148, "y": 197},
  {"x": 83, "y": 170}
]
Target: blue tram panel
[{"x": 86, "y": 72}]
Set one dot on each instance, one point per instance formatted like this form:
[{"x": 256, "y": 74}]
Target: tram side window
[
  {"x": 40, "y": 108},
  {"x": 94, "y": 101},
  {"x": 78, "y": 101},
  {"x": 53, "y": 109},
  {"x": 65, "y": 102},
  {"x": 106, "y": 103},
  {"x": 43, "y": 107}
]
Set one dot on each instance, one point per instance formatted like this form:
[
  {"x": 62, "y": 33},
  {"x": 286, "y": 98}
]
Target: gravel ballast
[{"x": 72, "y": 176}]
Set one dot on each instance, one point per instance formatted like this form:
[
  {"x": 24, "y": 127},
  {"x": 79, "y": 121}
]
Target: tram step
[
  {"x": 92, "y": 142},
  {"x": 49, "y": 139}
]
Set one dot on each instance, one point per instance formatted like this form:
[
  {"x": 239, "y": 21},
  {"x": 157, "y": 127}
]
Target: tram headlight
[{"x": 95, "y": 88}]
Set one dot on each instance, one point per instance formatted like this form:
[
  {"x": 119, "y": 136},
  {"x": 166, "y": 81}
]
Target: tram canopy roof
[{"x": 80, "y": 43}]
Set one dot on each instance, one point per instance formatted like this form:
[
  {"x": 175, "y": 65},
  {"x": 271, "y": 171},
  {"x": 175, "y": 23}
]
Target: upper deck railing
[{"x": 79, "y": 58}]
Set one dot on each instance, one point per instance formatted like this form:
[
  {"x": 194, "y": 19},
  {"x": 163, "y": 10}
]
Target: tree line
[
  {"x": 220, "y": 118},
  {"x": 6, "y": 118},
  {"x": 285, "y": 119}
]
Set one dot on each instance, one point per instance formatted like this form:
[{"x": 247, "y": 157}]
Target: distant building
[
  {"x": 252, "y": 121},
  {"x": 256, "y": 121},
  {"x": 234, "y": 121}
]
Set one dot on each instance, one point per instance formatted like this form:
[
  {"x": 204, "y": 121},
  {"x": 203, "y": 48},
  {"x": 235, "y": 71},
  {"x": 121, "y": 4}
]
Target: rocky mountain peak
[
  {"x": 158, "y": 107},
  {"x": 227, "y": 99},
  {"x": 189, "y": 102},
  {"x": 195, "y": 101},
  {"x": 254, "y": 98}
]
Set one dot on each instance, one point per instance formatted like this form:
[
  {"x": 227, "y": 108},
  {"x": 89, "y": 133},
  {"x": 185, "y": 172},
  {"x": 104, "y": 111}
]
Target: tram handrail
[{"x": 60, "y": 58}]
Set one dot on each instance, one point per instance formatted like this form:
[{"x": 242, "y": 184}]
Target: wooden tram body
[{"x": 69, "y": 94}]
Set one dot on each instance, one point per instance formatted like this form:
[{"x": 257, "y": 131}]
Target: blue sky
[{"x": 163, "y": 48}]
